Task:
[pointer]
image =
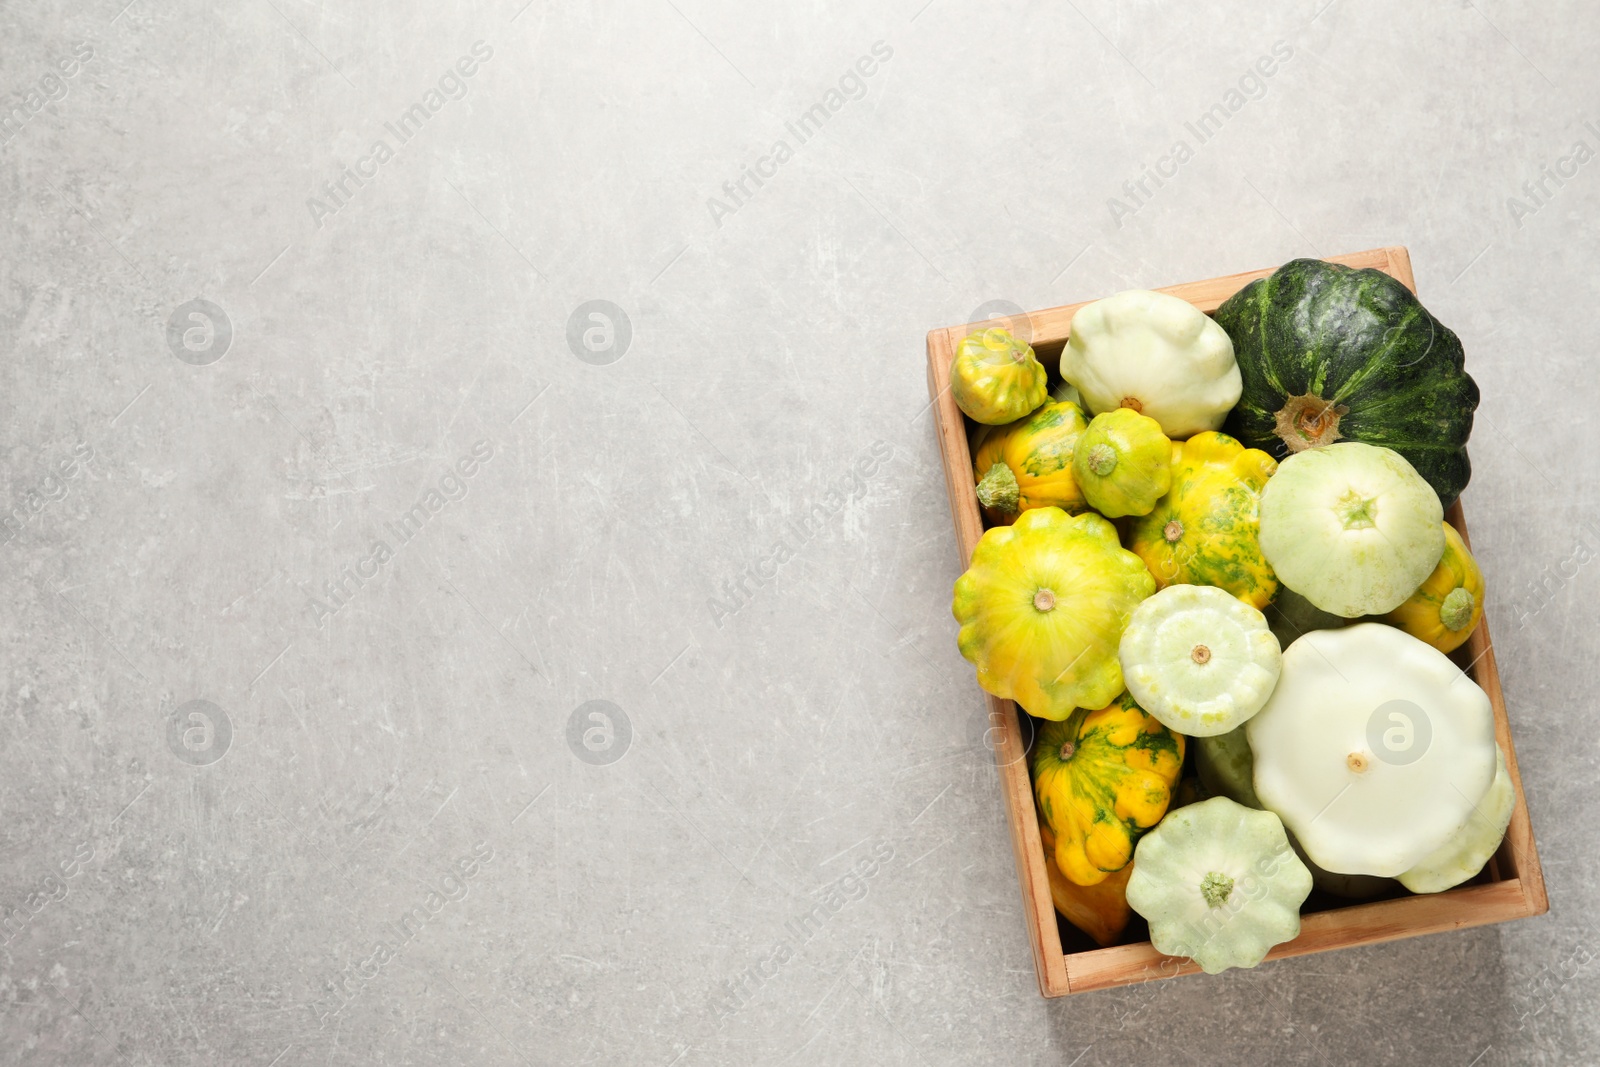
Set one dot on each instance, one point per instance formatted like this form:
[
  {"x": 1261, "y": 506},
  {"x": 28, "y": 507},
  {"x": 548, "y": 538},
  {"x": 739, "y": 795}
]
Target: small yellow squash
[
  {"x": 1102, "y": 778},
  {"x": 996, "y": 378},
  {"x": 1446, "y": 608},
  {"x": 1207, "y": 529},
  {"x": 1028, "y": 464},
  {"x": 1042, "y": 609}
]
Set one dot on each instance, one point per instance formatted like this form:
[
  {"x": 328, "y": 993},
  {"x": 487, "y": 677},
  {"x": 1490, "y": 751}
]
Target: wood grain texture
[{"x": 1515, "y": 888}]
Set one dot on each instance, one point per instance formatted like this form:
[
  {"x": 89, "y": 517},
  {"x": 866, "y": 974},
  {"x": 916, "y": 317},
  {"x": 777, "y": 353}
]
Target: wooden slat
[
  {"x": 1359, "y": 924},
  {"x": 1044, "y": 935},
  {"x": 1518, "y": 856},
  {"x": 1053, "y": 324},
  {"x": 1518, "y": 887}
]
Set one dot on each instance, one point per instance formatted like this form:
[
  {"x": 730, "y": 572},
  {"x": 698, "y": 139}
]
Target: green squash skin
[{"x": 1361, "y": 340}]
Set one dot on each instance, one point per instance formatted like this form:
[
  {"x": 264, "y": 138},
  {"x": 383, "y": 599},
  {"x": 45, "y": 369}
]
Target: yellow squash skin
[
  {"x": 1042, "y": 609},
  {"x": 1103, "y": 778},
  {"x": 1099, "y": 910},
  {"x": 996, "y": 378},
  {"x": 1453, "y": 593},
  {"x": 1123, "y": 463},
  {"x": 1207, "y": 529},
  {"x": 1034, "y": 455}
]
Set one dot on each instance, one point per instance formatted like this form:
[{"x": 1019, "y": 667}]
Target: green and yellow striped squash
[
  {"x": 1207, "y": 529},
  {"x": 1028, "y": 464},
  {"x": 1102, "y": 778}
]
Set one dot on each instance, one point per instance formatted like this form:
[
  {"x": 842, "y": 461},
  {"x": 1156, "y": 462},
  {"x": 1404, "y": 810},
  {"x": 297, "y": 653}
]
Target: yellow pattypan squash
[
  {"x": 996, "y": 378},
  {"x": 1028, "y": 464},
  {"x": 1042, "y": 609},
  {"x": 1123, "y": 462},
  {"x": 1103, "y": 778},
  {"x": 1207, "y": 529},
  {"x": 1099, "y": 910},
  {"x": 1446, "y": 608}
]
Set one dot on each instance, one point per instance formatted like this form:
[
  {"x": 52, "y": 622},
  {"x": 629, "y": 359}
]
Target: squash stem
[
  {"x": 1456, "y": 611},
  {"x": 998, "y": 489},
  {"x": 1102, "y": 459},
  {"x": 1308, "y": 421},
  {"x": 1074, "y": 725},
  {"x": 1215, "y": 887}
]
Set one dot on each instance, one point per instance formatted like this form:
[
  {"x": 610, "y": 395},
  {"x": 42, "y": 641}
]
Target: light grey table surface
[{"x": 395, "y": 834}]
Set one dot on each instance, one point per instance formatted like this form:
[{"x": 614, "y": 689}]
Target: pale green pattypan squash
[
  {"x": 1351, "y": 527},
  {"x": 1199, "y": 659},
  {"x": 1156, "y": 354},
  {"x": 1374, "y": 748},
  {"x": 1218, "y": 882},
  {"x": 1464, "y": 855}
]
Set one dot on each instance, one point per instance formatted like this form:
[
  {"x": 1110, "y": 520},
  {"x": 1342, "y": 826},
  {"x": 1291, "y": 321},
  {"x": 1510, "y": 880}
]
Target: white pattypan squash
[
  {"x": 1218, "y": 882},
  {"x": 1351, "y": 527},
  {"x": 1199, "y": 659},
  {"x": 1374, "y": 748},
  {"x": 1464, "y": 855},
  {"x": 1159, "y": 355}
]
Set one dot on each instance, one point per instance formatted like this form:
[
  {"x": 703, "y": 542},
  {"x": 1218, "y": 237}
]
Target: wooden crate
[{"x": 1511, "y": 885}]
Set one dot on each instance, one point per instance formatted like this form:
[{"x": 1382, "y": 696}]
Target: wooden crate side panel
[
  {"x": 1361, "y": 924},
  {"x": 1518, "y": 855},
  {"x": 1011, "y": 759},
  {"x": 1053, "y": 324},
  {"x": 1044, "y": 936}
]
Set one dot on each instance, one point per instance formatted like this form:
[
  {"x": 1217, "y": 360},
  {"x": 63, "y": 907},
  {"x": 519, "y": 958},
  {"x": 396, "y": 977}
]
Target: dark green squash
[{"x": 1329, "y": 353}]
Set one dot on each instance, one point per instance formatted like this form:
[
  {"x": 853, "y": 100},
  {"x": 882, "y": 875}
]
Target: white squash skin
[
  {"x": 1218, "y": 835},
  {"x": 1469, "y": 848},
  {"x": 1226, "y": 768},
  {"x": 1163, "y": 351},
  {"x": 1386, "y": 819},
  {"x": 1351, "y": 572},
  {"x": 1200, "y": 700}
]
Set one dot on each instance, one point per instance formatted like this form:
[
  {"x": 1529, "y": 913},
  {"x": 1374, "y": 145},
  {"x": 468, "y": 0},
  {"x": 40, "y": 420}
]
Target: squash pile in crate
[{"x": 1225, "y": 536}]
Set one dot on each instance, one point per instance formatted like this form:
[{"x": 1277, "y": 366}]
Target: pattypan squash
[
  {"x": 1218, "y": 882},
  {"x": 1123, "y": 463},
  {"x": 1207, "y": 529},
  {"x": 1042, "y": 607},
  {"x": 1028, "y": 464},
  {"x": 1100, "y": 910},
  {"x": 1156, "y": 354},
  {"x": 1199, "y": 659},
  {"x": 1465, "y": 853},
  {"x": 996, "y": 378},
  {"x": 1102, "y": 778},
  {"x": 1351, "y": 527},
  {"x": 1374, "y": 748},
  {"x": 1446, "y": 607}
]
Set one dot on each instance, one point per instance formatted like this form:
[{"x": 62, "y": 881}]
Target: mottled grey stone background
[{"x": 392, "y": 836}]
